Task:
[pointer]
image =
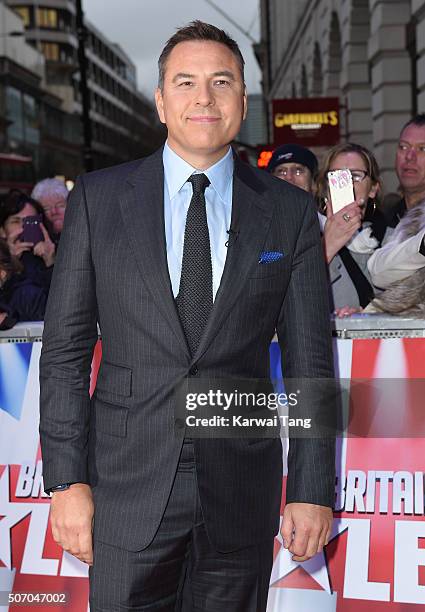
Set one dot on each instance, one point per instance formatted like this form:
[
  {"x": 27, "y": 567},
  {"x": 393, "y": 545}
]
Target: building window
[
  {"x": 47, "y": 18},
  {"x": 53, "y": 124},
  {"x": 15, "y": 130},
  {"x": 23, "y": 113},
  {"x": 24, "y": 14},
  {"x": 31, "y": 119},
  {"x": 50, "y": 51}
]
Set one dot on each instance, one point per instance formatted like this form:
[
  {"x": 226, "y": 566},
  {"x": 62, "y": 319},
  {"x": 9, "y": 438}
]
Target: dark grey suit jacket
[{"x": 112, "y": 269}]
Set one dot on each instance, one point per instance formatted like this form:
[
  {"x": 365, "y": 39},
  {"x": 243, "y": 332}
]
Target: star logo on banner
[
  {"x": 316, "y": 567},
  {"x": 14, "y": 358},
  {"x": 12, "y": 514}
]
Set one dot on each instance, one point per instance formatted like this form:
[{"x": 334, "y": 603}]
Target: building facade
[
  {"x": 124, "y": 122},
  {"x": 32, "y": 120},
  {"x": 368, "y": 53}
]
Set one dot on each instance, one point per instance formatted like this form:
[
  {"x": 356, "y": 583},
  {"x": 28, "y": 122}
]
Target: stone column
[
  {"x": 418, "y": 12},
  {"x": 355, "y": 86},
  {"x": 391, "y": 81}
]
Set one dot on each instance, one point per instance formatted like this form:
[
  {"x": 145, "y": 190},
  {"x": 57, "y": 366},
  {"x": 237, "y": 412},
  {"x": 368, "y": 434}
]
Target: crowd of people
[
  {"x": 374, "y": 246},
  {"x": 30, "y": 227}
]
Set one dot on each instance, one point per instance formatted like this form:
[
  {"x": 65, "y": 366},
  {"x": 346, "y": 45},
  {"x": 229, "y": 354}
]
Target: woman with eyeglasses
[{"x": 351, "y": 235}]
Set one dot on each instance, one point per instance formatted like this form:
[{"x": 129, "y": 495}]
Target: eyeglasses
[
  {"x": 297, "y": 171},
  {"x": 58, "y": 206},
  {"x": 358, "y": 176}
]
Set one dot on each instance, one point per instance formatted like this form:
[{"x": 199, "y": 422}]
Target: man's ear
[
  {"x": 245, "y": 104},
  {"x": 159, "y": 101},
  {"x": 2, "y": 232}
]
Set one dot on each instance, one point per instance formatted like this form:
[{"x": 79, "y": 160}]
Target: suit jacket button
[
  {"x": 179, "y": 423},
  {"x": 193, "y": 370}
]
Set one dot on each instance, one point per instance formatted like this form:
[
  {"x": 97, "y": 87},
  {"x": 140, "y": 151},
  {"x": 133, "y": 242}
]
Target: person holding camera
[
  {"x": 352, "y": 234},
  {"x": 23, "y": 227},
  {"x": 20, "y": 298}
]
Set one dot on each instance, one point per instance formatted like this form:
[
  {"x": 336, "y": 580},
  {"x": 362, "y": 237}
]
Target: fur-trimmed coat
[{"x": 406, "y": 296}]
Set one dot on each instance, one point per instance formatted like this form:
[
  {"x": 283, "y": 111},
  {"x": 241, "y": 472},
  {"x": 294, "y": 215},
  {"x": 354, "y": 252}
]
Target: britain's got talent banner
[{"x": 374, "y": 562}]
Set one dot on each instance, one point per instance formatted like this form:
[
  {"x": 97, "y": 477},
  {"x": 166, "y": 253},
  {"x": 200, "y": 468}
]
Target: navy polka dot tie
[{"x": 195, "y": 298}]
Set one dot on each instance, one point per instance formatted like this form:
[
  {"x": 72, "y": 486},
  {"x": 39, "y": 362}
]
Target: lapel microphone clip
[{"x": 233, "y": 236}]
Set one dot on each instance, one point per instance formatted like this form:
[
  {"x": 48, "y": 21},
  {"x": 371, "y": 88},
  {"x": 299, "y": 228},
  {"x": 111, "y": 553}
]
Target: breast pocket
[{"x": 114, "y": 383}]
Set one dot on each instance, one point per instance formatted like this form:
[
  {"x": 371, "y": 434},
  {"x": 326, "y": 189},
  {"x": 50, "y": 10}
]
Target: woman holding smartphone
[
  {"x": 20, "y": 298},
  {"x": 23, "y": 227},
  {"x": 351, "y": 234}
]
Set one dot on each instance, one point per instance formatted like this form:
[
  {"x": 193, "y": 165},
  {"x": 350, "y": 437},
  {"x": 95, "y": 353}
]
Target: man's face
[
  {"x": 54, "y": 209},
  {"x": 297, "y": 174},
  {"x": 203, "y": 101},
  {"x": 410, "y": 159}
]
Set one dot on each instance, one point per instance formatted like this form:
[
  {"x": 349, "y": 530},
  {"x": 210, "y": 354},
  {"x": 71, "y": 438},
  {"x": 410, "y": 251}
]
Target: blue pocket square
[{"x": 267, "y": 257}]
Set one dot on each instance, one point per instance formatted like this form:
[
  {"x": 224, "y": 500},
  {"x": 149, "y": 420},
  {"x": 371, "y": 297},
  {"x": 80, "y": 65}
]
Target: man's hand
[
  {"x": 71, "y": 518},
  {"x": 306, "y": 529}
]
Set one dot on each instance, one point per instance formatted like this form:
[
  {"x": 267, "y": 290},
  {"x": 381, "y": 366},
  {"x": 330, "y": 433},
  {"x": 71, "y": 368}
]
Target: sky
[{"x": 142, "y": 27}]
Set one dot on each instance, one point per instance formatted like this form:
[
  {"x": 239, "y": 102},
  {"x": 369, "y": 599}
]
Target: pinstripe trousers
[{"x": 180, "y": 570}]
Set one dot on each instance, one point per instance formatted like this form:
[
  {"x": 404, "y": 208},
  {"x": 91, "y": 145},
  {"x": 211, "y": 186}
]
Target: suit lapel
[
  {"x": 251, "y": 216},
  {"x": 142, "y": 208}
]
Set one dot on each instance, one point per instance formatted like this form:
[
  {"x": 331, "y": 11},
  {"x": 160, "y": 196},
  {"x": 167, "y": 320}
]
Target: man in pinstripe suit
[{"x": 154, "y": 513}]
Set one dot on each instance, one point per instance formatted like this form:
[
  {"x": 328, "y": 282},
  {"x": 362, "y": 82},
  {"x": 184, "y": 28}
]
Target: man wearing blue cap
[{"x": 294, "y": 164}]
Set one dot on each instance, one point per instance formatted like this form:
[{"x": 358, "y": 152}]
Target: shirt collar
[{"x": 177, "y": 171}]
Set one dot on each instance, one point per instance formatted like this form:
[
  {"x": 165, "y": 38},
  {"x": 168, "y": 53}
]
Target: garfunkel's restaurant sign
[{"x": 312, "y": 122}]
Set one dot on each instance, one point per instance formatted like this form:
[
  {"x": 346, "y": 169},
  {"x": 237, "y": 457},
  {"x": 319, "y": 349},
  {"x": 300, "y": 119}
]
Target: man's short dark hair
[
  {"x": 418, "y": 120},
  {"x": 198, "y": 30}
]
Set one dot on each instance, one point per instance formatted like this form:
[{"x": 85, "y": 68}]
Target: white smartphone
[{"x": 341, "y": 189}]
